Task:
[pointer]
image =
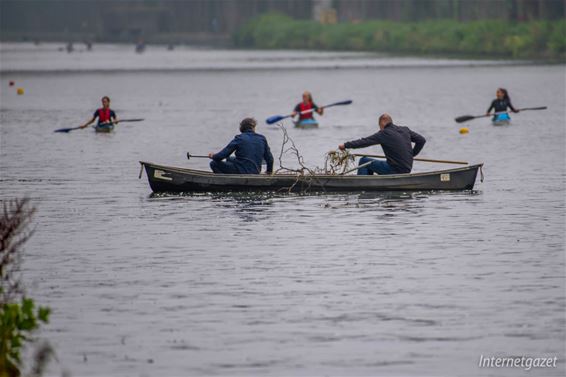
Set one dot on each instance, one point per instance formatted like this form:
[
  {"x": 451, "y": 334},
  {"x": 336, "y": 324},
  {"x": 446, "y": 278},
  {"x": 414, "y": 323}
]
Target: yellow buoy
[
  {"x": 20, "y": 91},
  {"x": 464, "y": 130}
]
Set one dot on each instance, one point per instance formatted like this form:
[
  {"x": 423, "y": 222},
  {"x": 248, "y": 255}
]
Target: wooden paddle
[
  {"x": 119, "y": 121},
  {"x": 418, "y": 159},
  {"x": 465, "y": 118},
  {"x": 278, "y": 118}
]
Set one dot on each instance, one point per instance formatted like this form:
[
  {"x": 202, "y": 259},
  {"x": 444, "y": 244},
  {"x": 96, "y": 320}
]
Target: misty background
[{"x": 213, "y": 22}]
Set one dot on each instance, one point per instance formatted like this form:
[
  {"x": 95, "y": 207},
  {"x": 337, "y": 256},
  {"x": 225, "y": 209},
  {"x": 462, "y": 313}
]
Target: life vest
[
  {"x": 103, "y": 115},
  {"x": 302, "y": 107}
]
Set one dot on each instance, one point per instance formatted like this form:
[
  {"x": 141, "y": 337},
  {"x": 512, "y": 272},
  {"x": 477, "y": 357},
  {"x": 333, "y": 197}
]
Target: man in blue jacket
[
  {"x": 396, "y": 143},
  {"x": 251, "y": 149}
]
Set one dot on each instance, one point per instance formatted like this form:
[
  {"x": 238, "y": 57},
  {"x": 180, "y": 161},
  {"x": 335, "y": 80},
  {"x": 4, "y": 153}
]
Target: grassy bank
[{"x": 489, "y": 38}]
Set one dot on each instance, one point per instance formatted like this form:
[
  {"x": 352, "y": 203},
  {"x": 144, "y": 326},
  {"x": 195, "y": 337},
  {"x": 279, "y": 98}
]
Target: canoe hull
[{"x": 172, "y": 179}]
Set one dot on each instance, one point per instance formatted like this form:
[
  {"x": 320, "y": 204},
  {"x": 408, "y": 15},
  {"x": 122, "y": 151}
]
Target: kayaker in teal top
[
  {"x": 250, "y": 148},
  {"x": 500, "y": 104},
  {"x": 307, "y": 104}
]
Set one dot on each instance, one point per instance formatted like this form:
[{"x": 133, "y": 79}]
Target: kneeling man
[{"x": 396, "y": 143}]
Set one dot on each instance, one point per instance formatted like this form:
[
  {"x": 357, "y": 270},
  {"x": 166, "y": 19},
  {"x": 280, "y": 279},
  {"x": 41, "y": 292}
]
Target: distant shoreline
[{"x": 489, "y": 39}]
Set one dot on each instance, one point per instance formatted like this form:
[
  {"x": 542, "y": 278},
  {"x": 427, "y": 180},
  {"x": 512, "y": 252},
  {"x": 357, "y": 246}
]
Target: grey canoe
[{"x": 173, "y": 179}]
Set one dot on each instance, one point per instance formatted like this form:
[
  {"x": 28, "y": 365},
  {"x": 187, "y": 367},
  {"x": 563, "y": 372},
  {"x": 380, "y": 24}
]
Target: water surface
[{"x": 344, "y": 284}]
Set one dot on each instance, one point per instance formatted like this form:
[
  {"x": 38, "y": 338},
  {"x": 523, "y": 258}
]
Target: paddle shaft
[
  {"x": 320, "y": 108},
  {"x": 189, "y": 156},
  {"x": 507, "y": 112},
  {"x": 466, "y": 118},
  {"x": 278, "y": 118},
  {"x": 357, "y": 167},
  {"x": 129, "y": 120},
  {"x": 417, "y": 159}
]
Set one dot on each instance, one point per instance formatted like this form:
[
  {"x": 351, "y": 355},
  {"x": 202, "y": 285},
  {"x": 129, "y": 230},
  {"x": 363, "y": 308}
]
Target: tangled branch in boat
[
  {"x": 338, "y": 162},
  {"x": 288, "y": 146},
  {"x": 292, "y": 148}
]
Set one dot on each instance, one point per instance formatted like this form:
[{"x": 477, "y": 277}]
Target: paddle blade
[
  {"x": 464, "y": 118},
  {"x": 275, "y": 119},
  {"x": 64, "y": 130},
  {"x": 348, "y": 102}
]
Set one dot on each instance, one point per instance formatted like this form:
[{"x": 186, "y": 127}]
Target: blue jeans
[
  {"x": 224, "y": 167},
  {"x": 377, "y": 166}
]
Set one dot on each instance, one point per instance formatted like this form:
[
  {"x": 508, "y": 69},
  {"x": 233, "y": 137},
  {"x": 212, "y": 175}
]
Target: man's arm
[
  {"x": 364, "y": 142},
  {"x": 227, "y": 151},
  {"x": 268, "y": 157},
  {"x": 419, "y": 141}
]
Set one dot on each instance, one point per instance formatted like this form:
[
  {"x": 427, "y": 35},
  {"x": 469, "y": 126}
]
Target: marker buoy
[
  {"x": 464, "y": 130},
  {"x": 20, "y": 91}
]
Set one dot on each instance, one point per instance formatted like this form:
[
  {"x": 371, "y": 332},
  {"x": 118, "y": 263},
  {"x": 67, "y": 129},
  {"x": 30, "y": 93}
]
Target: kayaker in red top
[
  {"x": 105, "y": 115},
  {"x": 307, "y": 104}
]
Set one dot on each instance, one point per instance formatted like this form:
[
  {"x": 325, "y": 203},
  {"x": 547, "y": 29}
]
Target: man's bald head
[{"x": 384, "y": 120}]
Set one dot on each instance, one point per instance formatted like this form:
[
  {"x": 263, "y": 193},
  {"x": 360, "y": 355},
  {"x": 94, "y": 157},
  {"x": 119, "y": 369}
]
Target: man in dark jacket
[
  {"x": 251, "y": 149},
  {"x": 396, "y": 143}
]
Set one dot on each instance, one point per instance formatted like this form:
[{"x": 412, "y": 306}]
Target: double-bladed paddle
[
  {"x": 119, "y": 121},
  {"x": 278, "y": 118},
  {"x": 465, "y": 118}
]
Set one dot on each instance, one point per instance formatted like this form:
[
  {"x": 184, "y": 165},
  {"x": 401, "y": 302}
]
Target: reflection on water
[{"x": 385, "y": 283}]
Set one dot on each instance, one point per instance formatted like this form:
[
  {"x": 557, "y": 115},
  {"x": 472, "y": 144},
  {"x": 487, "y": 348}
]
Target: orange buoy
[
  {"x": 20, "y": 91},
  {"x": 464, "y": 130}
]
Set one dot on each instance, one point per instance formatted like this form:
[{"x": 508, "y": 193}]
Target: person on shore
[
  {"x": 250, "y": 148},
  {"x": 396, "y": 143},
  {"x": 501, "y": 104},
  {"x": 305, "y": 105},
  {"x": 106, "y": 116}
]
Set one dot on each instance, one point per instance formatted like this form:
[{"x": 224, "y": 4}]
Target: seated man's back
[{"x": 250, "y": 150}]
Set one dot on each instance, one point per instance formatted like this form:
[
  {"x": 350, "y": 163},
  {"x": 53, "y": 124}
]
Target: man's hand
[
  {"x": 341, "y": 147},
  {"x": 210, "y": 155}
]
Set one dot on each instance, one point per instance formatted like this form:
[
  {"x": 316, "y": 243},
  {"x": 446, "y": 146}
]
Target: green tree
[{"x": 19, "y": 316}]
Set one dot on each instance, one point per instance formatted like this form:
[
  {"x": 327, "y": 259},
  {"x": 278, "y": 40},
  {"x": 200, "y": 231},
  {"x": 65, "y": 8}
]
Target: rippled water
[{"x": 346, "y": 284}]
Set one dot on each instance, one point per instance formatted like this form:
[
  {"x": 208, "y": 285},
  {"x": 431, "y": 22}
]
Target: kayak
[
  {"x": 500, "y": 119},
  {"x": 306, "y": 123},
  {"x": 104, "y": 128},
  {"x": 176, "y": 179}
]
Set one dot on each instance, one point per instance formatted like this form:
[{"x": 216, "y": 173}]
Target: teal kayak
[
  {"x": 307, "y": 123},
  {"x": 500, "y": 119}
]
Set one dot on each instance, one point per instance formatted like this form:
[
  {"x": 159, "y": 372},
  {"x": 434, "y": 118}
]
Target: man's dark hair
[{"x": 248, "y": 124}]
